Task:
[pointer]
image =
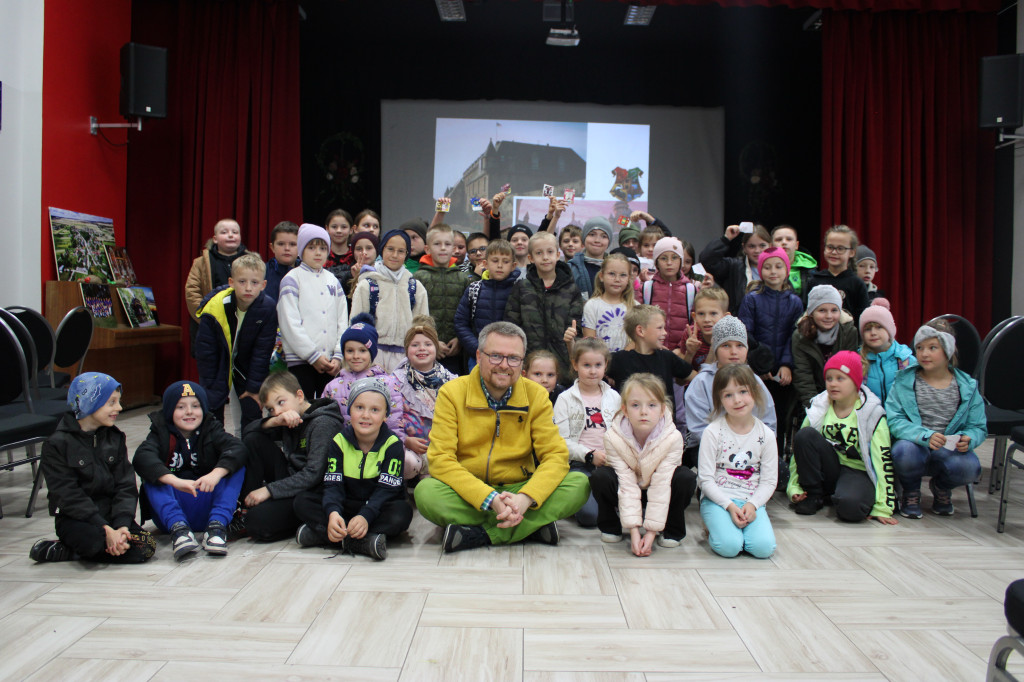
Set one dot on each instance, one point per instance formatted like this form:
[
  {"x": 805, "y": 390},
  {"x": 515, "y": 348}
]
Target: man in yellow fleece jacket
[{"x": 499, "y": 468}]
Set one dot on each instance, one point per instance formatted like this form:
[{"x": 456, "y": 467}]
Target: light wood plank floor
[{"x": 919, "y": 601}]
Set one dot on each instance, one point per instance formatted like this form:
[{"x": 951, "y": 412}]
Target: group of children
[{"x": 662, "y": 382}]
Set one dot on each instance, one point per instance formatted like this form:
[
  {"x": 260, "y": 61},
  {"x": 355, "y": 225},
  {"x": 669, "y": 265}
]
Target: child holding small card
[
  {"x": 936, "y": 418},
  {"x": 734, "y": 270}
]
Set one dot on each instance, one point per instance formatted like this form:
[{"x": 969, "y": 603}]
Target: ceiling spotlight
[
  {"x": 639, "y": 15},
  {"x": 563, "y": 37},
  {"x": 451, "y": 10}
]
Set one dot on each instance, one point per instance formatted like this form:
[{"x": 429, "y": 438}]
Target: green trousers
[{"x": 441, "y": 505}]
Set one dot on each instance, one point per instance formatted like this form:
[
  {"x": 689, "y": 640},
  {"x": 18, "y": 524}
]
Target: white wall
[
  {"x": 1017, "y": 297},
  {"x": 21, "y": 146}
]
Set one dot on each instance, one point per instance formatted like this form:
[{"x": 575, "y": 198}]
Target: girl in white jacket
[
  {"x": 645, "y": 485},
  {"x": 583, "y": 412}
]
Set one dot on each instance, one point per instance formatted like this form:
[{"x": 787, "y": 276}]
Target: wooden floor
[{"x": 919, "y": 601}]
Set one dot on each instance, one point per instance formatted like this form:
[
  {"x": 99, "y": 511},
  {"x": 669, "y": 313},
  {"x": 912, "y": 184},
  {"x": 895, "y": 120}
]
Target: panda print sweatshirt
[{"x": 733, "y": 466}]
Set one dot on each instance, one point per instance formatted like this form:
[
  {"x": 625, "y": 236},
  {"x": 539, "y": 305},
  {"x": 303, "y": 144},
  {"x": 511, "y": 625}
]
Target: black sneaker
[
  {"x": 50, "y": 550},
  {"x": 183, "y": 542},
  {"x": 373, "y": 545},
  {"x": 457, "y": 538},
  {"x": 810, "y": 505},
  {"x": 237, "y": 526},
  {"x": 307, "y": 537},
  {"x": 546, "y": 535},
  {"x": 216, "y": 540},
  {"x": 942, "y": 504}
]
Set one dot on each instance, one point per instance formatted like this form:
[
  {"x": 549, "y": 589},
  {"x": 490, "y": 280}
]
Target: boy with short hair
[
  {"x": 728, "y": 347},
  {"x": 90, "y": 483},
  {"x": 312, "y": 313},
  {"x": 213, "y": 266},
  {"x": 597, "y": 235},
  {"x": 237, "y": 330},
  {"x": 476, "y": 248},
  {"x": 546, "y": 304},
  {"x": 284, "y": 244},
  {"x": 445, "y": 285},
  {"x": 416, "y": 229},
  {"x": 484, "y": 300},
  {"x": 648, "y": 239},
  {"x": 363, "y": 500},
  {"x": 629, "y": 236},
  {"x": 275, "y": 475},
  {"x": 645, "y": 326},
  {"x": 570, "y": 241},
  {"x": 710, "y": 304},
  {"x": 191, "y": 470}
]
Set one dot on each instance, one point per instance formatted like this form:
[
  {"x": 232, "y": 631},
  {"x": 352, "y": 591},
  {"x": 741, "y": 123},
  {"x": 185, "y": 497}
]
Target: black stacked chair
[
  {"x": 74, "y": 334},
  {"x": 1013, "y": 607},
  {"x": 968, "y": 342},
  {"x": 1000, "y": 377},
  {"x": 48, "y": 405},
  {"x": 24, "y": 427},
  {"x": 45, "y": 341},
  {"x": 1009, "y": 462}
]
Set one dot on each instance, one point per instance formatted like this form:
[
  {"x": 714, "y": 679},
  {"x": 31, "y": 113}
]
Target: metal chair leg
[
  {"x": 998, "y": 461},
  {"x": 35, "y": 490},
  {"x": 1001, "y": 651},
  {"x": 1005, "y": 492},
  {"x": 971, "y": 502}
]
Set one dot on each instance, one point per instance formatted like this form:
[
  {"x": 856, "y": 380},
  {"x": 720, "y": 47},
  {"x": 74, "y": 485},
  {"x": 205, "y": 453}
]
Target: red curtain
[
  {"x": 903, "y": 160},
  {"x": 230, "y": 145}
]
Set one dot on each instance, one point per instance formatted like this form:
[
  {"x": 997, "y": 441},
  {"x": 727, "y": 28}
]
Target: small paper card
[
  {"x": 474, "y": 204},
  {"x": 747, "y": 227},
  {"x": 444, "y": 204},
  {"x": 549, "y": 191},
  {"x": 506, "y": 188},
  {"x": 624, "y": 220},
  {"x": 698, "y": 269},
  {"x": 952, "y": 442},
  {"x": 569, "y": 195}
]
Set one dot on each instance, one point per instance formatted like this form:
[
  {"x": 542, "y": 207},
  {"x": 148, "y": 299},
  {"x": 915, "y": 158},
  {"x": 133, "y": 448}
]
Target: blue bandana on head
[{"x": 89, "y": 392}]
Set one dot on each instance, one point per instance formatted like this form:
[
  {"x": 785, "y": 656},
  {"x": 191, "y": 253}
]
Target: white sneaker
[
  {"x": 611, "y": 537},
  {"x": 667, "y": 543}
]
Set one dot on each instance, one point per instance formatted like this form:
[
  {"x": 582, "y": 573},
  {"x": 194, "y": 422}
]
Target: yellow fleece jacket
[{"x": 473, "y": 450}]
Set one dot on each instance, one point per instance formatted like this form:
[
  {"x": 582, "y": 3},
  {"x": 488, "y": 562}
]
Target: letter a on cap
[{"x": 186, "y": 390}]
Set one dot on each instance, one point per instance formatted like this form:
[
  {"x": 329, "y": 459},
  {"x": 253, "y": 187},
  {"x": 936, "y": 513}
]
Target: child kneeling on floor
[
  {"x": 363, "y": 498},
  {"x": 738, "y": 467},
  {"x": 192, "y": 471},
  {"x": 645, "y": 484},
  {"x": 90, "y": 484}
]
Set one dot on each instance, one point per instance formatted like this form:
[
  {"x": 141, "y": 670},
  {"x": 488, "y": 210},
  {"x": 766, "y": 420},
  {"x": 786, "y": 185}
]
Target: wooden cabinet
[{"x": 127, "y": 354}]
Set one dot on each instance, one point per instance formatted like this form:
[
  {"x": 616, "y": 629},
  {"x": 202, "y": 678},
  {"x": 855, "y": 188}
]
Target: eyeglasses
[
  {"x": 496, "y": 358},
  {"x": 831, "y": 248},
  {"x": 481, "y": 249}
]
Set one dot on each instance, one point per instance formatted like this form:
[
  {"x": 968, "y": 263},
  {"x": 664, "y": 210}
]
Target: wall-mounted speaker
[
  {"x": 143, "y": 81},
  {"x": 1002, "y": 92}
]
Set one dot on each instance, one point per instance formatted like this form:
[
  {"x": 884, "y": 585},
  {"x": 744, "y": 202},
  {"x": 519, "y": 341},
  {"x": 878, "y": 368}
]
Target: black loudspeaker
[
  {"x": 143, "y": 81},
  {"x": 1002, "y": 92}
]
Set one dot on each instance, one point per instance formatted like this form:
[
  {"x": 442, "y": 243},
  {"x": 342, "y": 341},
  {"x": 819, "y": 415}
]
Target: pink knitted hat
[
  {"x": 773, "y": 252},
  {"x": 879, "y": 315},
  {"x": 666, "y": 244},
  {"x": 849, "y": 363}
]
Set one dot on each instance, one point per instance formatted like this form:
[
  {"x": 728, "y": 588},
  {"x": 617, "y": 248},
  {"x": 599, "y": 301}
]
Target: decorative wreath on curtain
[
  {"x": 759, "y": 174},
  {"x": 341, "y": 163}
]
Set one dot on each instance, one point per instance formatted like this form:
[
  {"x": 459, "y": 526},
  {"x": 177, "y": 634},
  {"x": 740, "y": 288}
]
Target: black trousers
[
  {"x": 820, "y": 473},
  {"x": 250, "y": 408},
  {"x": 394, "y": 518},
  {"x": 311, "y": 381},
  {"x": 89, "y": 541},
  {"x": 274, "y": 519},
  {"x": 604, "y": 484}
]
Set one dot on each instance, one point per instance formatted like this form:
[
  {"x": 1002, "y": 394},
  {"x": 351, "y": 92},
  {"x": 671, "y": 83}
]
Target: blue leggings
[
  {"x": 172, "y": 506},
  {"x": 757, "y": 538}
]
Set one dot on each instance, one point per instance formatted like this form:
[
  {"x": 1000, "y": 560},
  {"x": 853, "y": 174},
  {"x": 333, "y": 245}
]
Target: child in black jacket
[
  {"x": 275, "y": 475},
  {"x": 363, "y": 499},
  {"x": 192, "y": 471},
  {"x": 90, "y": 483},
  {"x": 237, "y": 330}
]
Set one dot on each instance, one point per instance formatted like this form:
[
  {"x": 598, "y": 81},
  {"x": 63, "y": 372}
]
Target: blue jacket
[
  {"x": 771, "y": 316},
  {"x": 490, "y": 297},
  {"x": 905, "y": 419},
  {"x": 224, "y": 354},
  {"x": 580, "y": 275},
  {"x": 275, "y": 271},
  {"x": 882, "y": 368}
]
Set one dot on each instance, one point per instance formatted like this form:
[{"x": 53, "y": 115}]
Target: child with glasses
[{"x": 840, "y": 248}]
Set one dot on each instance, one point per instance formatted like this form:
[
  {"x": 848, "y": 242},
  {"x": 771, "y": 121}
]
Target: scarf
[
  {"x": 593, "y": 261},
  {"x": 396, "y": 276},
  {"x": 828, "y": 338},
  {"x": 427, "y": 383}
]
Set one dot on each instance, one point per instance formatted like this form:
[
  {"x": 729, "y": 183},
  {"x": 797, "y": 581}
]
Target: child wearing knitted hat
[
  {"x": 867, "y": 267},
  {"x": 819, "y": 334},
  {"x": 671, "y": 290},
  {"x": 363, "y": 500},
  {"x": 842, "y": 449},
  {"x": 192, "y": 471},
  {"x": 937, "y": 418},
  {"x": 884, "y": 355},
  {"x": 597, "y": 235},
  {"x": 90, "y": 484},
  {"x": 728, "y": 347},
  {"x": 359, "y": 349},
  {"x": 312, "y": 312}
]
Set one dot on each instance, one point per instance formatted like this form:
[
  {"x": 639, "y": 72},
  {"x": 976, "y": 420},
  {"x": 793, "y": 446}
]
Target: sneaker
[
  {"x": 373, "y": 545},
  {"x": 546, "y": 535},
  {"x": 457, "y": 538},
  {"x": 307, "y": 537},
  {"x": 216, "y": 540},
  {"x": 237, "y": 526},
  {"x": 50, "y": 550},
  {"x": 668, "y": 543},
  {"x": 910, "y": 504},
  {"x": 810, "y": 505},
  {"x": 183, "y": 542},
  {"x": 611, "y": 537},
  {"x": 943, "y": 502}
]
